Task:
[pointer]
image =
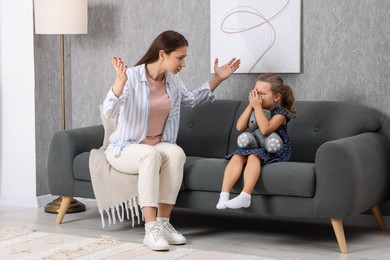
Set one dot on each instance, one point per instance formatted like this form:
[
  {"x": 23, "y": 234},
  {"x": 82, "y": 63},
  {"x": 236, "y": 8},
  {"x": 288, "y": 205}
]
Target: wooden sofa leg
[
  {"x": 378, "y": 217},
  {"x": 339, "y": 232},
  {"x": 66, "y": 200}
]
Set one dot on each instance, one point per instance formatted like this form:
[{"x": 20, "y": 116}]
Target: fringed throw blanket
[{"x": 115, "y": 192}]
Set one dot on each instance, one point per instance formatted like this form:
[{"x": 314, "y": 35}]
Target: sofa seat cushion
[{"x": 284, "y": 178}]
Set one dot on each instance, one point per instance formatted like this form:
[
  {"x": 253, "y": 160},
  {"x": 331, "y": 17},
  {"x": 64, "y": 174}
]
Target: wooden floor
[{"x": 278, "y": 239}]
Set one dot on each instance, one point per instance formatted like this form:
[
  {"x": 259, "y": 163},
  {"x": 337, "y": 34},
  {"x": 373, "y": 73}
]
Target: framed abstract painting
[{"x": 264, "y": 34}]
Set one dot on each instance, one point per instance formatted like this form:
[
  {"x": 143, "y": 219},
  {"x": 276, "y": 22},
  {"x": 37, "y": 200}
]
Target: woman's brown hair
[
  {"x": 167, "y": 41},
  {"x": 277, "y": 86}
]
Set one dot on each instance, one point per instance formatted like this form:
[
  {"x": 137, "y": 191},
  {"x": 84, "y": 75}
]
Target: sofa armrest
[
  {"x": 64, "y": 147},
  {"x": 352, "y": 175}
]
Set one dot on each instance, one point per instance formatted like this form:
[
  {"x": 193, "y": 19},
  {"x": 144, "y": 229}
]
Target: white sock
[
  {"x": 150, "y": 224},
  {"x": 223, "y": 198},
  {"x": 159, "y": 219},
  {"x": 241, "y": 201}
]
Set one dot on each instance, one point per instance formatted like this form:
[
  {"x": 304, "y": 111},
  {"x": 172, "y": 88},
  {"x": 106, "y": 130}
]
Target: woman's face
[{"x": 176, "y": 60}]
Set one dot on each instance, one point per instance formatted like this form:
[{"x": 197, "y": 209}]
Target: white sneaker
[
  {"x": 170, "y": 234},
  {"x": 154, "y": 238}
]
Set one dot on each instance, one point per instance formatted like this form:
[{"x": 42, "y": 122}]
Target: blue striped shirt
[{"x": 132, "y": 107}]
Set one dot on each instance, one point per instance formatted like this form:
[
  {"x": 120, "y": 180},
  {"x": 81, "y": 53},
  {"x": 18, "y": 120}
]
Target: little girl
[{"x": 270, "y": 93}]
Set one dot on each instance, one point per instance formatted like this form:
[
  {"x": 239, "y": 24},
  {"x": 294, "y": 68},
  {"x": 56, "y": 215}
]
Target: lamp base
[{"x": 75, "y": 206}]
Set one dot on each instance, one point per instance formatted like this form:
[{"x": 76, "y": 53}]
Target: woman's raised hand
[
  {"x": 223, "y": 72},
  {"x": 226, "y": 70},
  {"x": 121, "y": 75},
  {"x": 120, "y": 69}
]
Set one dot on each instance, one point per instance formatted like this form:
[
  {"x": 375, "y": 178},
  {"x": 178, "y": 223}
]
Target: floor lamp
[{"x": 61, "y": 17}]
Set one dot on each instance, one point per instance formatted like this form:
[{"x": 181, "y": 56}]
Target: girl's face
[
  {"x": 176, "y": 60},
  {"x": 269, "y": 100}
]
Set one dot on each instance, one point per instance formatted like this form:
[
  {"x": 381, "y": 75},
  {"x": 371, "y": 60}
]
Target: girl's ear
[{"x": 277, "y": 97}]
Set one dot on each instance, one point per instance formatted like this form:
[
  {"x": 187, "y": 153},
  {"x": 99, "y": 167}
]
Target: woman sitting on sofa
[{"x": 148, "y": 98}]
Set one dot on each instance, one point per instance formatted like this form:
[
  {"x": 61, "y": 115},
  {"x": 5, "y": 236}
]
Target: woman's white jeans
[{"x": 160, "y": 170}]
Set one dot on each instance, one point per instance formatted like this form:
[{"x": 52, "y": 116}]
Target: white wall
[{"x": 17, "y": 106}]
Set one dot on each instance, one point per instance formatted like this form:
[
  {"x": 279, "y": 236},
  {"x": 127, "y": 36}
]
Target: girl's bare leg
[
  {"x": 251, "y": 173},
  {"x": 251, "y": 176},
  {"x": 232, "y": 174}
]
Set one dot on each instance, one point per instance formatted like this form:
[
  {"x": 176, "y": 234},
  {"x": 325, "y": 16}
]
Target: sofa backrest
[
  {"x": 205, "y": 130},
  {"x": 210, "y": 129},
  {"x": 320, "y": 121}
]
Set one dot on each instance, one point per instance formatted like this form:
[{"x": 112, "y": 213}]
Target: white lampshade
[{"x": 61, "y": 16}]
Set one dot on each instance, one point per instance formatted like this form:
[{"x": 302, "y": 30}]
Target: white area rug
[{"x": 25, "y": 243}]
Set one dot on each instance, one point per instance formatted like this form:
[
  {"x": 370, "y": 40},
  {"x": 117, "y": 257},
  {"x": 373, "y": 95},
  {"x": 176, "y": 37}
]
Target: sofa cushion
[
  {"x": 318, "y": 122},
  {"x": 285, "y": 178},
  {"x": 205, "y": 130},
  {"x": 187, "y": 166}
]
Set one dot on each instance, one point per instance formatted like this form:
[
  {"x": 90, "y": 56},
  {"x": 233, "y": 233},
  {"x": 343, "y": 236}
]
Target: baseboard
[
  {"x": 17, "y": 201},
  {"x": 28, "y": 202}
]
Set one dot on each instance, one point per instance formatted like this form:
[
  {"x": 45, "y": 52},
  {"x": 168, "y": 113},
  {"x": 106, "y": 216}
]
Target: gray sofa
[{"x": 339, "y": 166}]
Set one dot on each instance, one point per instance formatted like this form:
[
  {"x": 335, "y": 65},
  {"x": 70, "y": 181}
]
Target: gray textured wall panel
[
  {"x": 48, "y": 116},
  {"x": 345, "y": 56}
]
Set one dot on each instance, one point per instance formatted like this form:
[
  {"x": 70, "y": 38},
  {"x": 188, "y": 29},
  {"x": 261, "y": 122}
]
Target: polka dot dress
[{"x": 266, "y": 158}]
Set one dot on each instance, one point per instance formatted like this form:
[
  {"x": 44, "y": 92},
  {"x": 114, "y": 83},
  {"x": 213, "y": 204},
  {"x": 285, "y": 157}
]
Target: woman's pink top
[{"x": 160, "y": 106}]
